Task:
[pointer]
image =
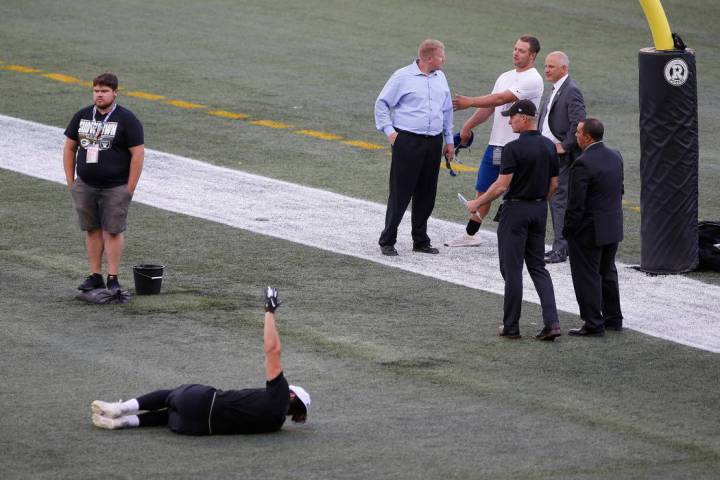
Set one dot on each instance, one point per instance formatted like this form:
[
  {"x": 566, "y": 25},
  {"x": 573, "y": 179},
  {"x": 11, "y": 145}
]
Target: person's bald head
[{"x": 557, "y": 65}]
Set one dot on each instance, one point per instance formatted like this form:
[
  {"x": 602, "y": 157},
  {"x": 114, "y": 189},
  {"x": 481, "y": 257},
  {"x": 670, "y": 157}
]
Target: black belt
[
  {"x": 524, "y": 199},
  {"x": 417, "y": 134}
]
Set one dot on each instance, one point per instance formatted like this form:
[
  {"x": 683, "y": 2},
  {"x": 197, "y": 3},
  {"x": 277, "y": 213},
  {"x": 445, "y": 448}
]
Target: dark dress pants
[
  {"x": 521, "y": 238},
  {"x": 413, "y": 174},
  {"x": 558, "y": 204},
  {"x": 595, "y": 280}
]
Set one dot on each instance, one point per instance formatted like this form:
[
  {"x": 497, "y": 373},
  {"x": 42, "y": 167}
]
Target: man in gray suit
[
  {"x": 594, "y": 228},
  {"x": 559, "y": 116}
]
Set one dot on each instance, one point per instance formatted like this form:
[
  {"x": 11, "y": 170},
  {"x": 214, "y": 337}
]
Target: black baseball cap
[{"x": 525, "y": 107}]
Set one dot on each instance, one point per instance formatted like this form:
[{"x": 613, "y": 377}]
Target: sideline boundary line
[
  {"x": 674, "y": 308},
  {"x": 60, "y": 77}
]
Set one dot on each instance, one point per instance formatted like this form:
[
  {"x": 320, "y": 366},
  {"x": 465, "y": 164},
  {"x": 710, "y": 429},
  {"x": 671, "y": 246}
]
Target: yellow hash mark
[
  {"x": 459, "y": 167},
  {"x": 145, "y": 95},
  {"x": 21, "y": 69},
  {"x": 226, "y": 114},
  {"x": 61, "y": 78},
  {"x": 218, "y": 113},
  {"x": 184, "y": 104},
  {"x": 635, "y": 209},
  {"x": 365, "y": 145},
  {"x": 270, "y": 124},
  {"x": 317, "y": 134}
]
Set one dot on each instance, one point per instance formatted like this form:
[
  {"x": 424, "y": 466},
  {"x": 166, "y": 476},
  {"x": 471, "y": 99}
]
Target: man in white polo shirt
[{"x": 521, "y": 83}]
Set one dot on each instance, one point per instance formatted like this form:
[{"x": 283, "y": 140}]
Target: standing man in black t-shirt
[
  {"x": 105, "y": 144},
  {"x": 528, "y": 178},
  {"x": 205, "y": 410}
]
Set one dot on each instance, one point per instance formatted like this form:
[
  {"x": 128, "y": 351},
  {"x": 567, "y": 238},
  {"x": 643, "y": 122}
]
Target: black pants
[
  {"x": 413, "y": 174},
  {"x": 595, "y": 281},
  {"x": 185, "y": 409},
  {"x": 521, "y": 238}
]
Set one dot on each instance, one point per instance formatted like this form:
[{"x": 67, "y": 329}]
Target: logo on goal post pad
[{"x": 676, "y": 72}]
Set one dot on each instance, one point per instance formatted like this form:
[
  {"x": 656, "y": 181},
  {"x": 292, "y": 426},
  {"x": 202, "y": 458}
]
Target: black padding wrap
[{"x": 668, "y": 161}]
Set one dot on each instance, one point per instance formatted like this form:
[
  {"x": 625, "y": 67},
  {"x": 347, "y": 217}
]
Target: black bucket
[{"x": 148, "y": 279}]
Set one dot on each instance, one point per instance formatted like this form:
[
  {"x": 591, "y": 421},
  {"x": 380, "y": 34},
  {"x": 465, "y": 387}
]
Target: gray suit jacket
[{"x": 567, "y": 109}]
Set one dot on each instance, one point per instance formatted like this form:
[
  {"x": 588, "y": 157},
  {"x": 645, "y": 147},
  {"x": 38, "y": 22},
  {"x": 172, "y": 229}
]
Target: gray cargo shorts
[{"x": 101, "y": 208}]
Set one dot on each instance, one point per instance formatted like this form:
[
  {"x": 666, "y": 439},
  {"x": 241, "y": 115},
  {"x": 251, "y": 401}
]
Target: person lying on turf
[{"x": 204, "y": 410}]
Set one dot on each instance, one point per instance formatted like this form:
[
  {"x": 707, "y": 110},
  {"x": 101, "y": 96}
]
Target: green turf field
[{"x": 410, "y": 385}]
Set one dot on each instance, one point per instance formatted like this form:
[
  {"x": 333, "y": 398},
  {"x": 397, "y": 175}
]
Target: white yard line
[{"x": 670, "y": 307}]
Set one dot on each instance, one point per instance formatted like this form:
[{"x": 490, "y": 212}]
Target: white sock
[
  {"x": 131, "y": 421},
  {"x": 129, "y": 406}
]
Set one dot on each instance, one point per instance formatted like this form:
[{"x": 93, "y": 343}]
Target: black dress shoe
[
  {"x": 388, "y": 250},
  {"x": 549, "y": 334},
  {"x": 509, "y": 334},
  {"x": 548, "y": 253},
  {"x": 615, "y": 327},
  {"x": 584, "y": 332},
  {"x": 556, "y": 257},
  {"x": 426, "y": 249}
]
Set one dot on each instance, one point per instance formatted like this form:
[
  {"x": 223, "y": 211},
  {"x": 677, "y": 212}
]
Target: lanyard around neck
[
  {"x": 98, "y": 131},
  {"x": 107, "y": 117}
]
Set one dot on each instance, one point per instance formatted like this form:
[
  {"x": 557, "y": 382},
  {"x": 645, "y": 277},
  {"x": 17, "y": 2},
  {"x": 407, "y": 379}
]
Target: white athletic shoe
[
  {"x": 108, "y": 423},
  {"x": 106, "y": 409},
  {"x": 464, "y": 240}
]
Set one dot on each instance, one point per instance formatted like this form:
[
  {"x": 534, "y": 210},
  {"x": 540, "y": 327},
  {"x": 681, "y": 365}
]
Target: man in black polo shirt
[
  {"x": 528, "y": 178},
  {"x": 204, "y": 410},
  {"x": 105, "y": 144}
]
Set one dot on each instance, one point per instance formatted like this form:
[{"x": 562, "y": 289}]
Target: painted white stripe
[{"x": 669, "y": 307}]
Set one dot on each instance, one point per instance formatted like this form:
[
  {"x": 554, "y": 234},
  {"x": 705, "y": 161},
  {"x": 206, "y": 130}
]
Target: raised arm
[
  {"x": 491, "y": 100},
  {"x": 271, "y": 338}
]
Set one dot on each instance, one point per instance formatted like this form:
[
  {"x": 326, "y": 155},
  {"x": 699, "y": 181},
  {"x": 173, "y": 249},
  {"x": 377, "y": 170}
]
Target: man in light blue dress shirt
[{"x": 414, "y": 109}]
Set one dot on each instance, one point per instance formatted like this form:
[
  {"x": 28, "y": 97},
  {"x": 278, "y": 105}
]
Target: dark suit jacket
[
  {"x": 594, "y": 209},
  {"x": 567, "y": 109}
]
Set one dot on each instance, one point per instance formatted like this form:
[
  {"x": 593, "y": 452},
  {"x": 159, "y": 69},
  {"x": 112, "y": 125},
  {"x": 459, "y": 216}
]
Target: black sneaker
[
  {"x": 113, "y": 284},
  {"x": 92, "y": 282}
]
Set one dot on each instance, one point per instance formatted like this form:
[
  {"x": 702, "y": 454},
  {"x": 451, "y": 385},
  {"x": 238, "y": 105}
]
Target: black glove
[{"x": 271, "y": 299}]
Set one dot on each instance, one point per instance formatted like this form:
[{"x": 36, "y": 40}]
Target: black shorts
[{"x": 189, "y": 409}]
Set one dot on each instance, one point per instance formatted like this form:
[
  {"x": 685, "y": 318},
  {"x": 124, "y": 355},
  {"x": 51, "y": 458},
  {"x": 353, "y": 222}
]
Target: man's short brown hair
[
  {"x": 107, "y": 79},
  {"x": 533, "y": 42}
]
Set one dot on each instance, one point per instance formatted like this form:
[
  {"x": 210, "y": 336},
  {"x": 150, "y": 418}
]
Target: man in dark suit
[
  {"x": 593, "y": 228},
  {"x": 559, "y": 116}
]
